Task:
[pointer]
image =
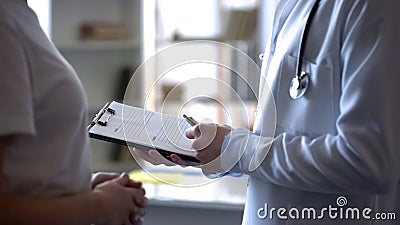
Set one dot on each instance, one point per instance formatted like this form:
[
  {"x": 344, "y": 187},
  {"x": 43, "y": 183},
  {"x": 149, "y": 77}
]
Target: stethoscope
[{"x": 300, "y": 82}]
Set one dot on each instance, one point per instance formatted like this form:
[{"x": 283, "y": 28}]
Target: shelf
[
  {"x": 99, "y": 63},
  {"x": 118, "y": 45}
]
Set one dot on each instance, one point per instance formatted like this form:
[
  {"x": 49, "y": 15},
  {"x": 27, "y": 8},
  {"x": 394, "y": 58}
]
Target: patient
[{"x": 45, "y": 173}]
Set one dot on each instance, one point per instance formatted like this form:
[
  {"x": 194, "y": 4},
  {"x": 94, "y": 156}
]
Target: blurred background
[{"x": 106, "y": 41}]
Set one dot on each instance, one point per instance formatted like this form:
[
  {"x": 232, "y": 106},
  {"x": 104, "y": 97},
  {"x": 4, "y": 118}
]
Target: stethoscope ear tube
[{"x": 299, "y": 84}]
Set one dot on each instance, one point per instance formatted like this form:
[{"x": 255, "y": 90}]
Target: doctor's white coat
[{"x": 339, "y": 145}]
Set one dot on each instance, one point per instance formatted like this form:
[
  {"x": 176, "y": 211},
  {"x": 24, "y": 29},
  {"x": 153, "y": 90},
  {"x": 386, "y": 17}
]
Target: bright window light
[
  {"x": 189, "y": 17},
  {"x": 42, "y": 9}
]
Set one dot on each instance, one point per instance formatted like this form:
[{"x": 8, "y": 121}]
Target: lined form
[{"x": 145, "y": 129}]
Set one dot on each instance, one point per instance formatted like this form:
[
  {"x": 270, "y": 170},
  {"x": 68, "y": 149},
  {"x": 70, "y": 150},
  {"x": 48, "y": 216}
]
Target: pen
[{"x": 190, "y": 120}]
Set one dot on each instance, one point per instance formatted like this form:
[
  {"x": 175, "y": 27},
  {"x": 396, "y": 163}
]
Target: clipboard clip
[
  {"x": 104, "y": 122},
  {"x": 97, "y": 118}
]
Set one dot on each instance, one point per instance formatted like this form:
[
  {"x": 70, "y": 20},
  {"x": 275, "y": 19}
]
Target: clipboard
[{"x": 142, "y": 129}]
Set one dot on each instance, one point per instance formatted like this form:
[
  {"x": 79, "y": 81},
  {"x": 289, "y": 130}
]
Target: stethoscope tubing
[
  {"x": 304, "y": 37},
  {"x": 300, "y": 82}
]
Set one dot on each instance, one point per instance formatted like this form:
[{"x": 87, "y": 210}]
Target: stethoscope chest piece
[{"x": 299, "y": 85}]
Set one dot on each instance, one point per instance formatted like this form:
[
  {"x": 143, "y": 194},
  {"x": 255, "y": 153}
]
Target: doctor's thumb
[{"x": 193, "y": 132}]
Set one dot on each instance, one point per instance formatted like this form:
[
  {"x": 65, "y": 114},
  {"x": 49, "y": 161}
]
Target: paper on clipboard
[{"x": 143, "y": 129}]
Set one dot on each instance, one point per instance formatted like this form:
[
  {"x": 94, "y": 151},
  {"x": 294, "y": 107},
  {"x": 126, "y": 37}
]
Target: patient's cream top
[{"x": 43, "y": 107}]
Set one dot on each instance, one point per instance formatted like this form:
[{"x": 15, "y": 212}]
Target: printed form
[{"x": 143, "y": 129}]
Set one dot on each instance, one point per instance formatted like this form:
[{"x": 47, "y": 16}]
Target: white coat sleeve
[{"x": 364, "y": 155}]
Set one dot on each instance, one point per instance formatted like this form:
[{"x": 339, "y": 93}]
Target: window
[
  {"x": 192, "y": 88},
  {"x": 42, "y": 9},
  {"x": 186, "y": 20}
]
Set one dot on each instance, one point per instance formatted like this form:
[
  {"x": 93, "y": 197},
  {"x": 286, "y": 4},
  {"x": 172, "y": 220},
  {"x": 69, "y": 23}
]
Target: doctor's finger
[
  {"x": 158, "y": 159},
  {"x": 144, "y": 154},
  {"x": 151, "y": 156},
  {"x": 208, "y": 133},
  {"x": 193, "y": 132},
  {"x": 178, "y": 160}
]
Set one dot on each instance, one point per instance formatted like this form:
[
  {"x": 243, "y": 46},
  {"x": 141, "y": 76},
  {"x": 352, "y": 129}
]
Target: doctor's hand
[
  {"x": 155, "y": 158},
  {"x": 208, "y": 140}
]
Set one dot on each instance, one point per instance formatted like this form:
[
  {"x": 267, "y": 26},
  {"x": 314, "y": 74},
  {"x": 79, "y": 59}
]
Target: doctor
[{"x": 333, "y": 69}]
